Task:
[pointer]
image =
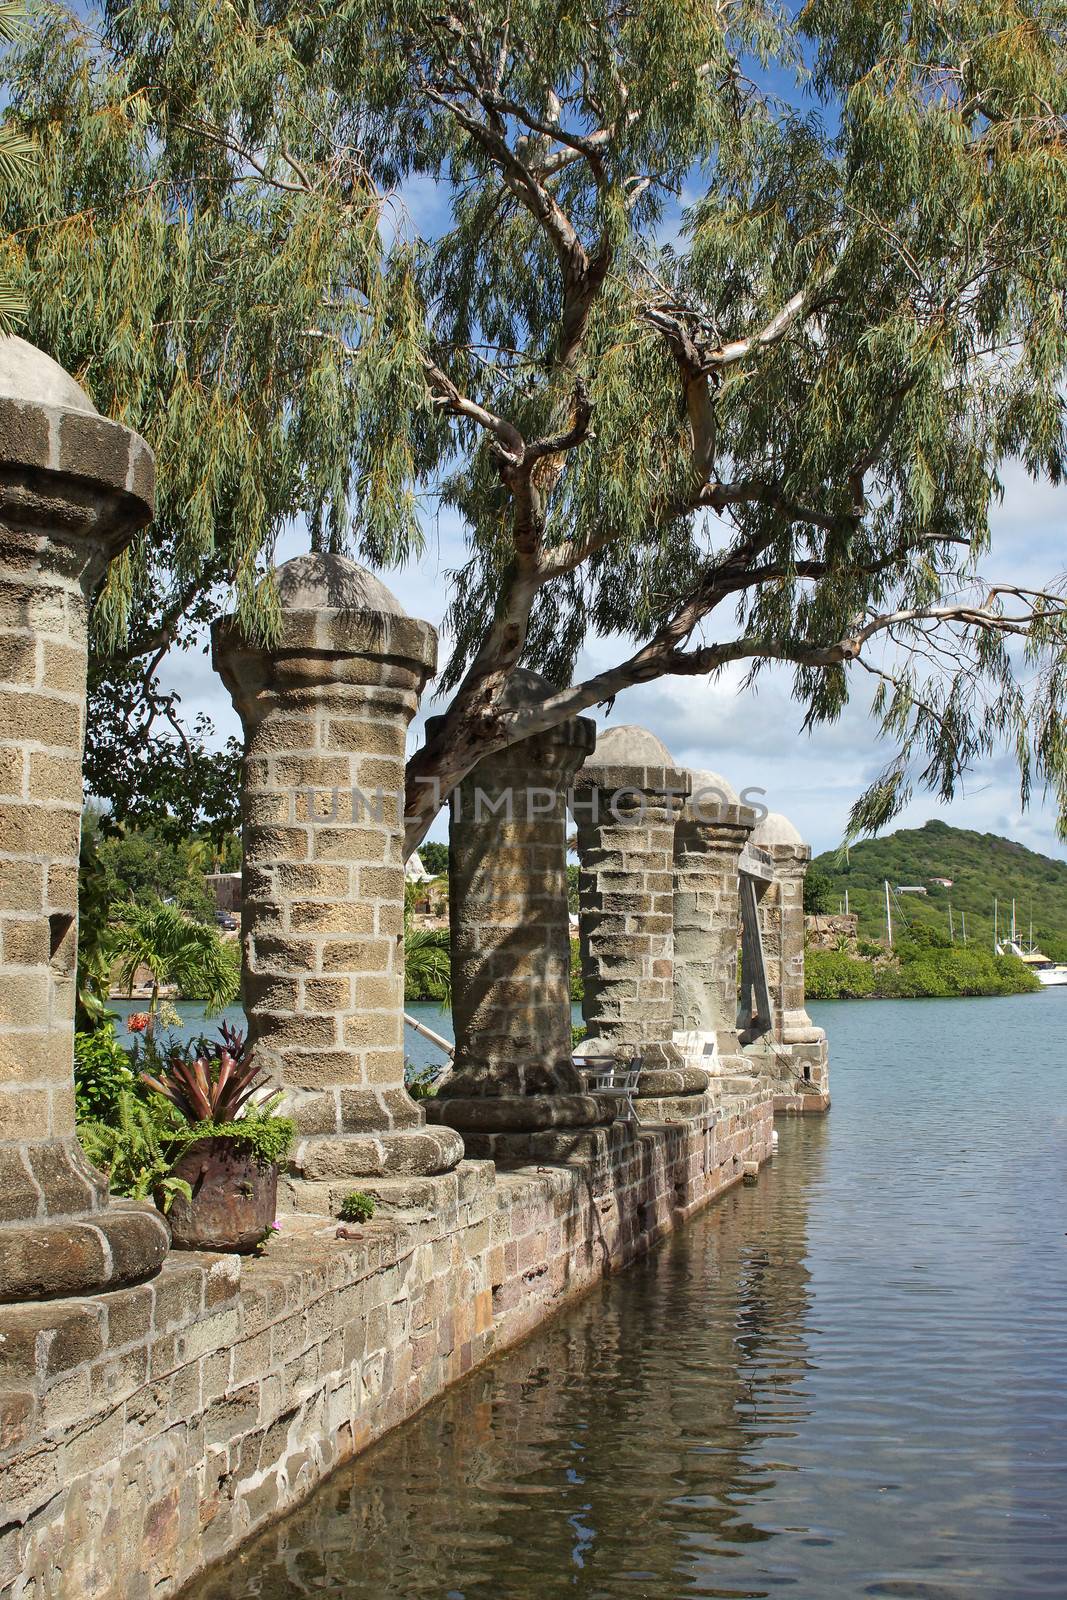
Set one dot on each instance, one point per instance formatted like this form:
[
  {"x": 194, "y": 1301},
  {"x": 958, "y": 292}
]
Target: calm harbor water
[{"x": 848, "y": 1380}]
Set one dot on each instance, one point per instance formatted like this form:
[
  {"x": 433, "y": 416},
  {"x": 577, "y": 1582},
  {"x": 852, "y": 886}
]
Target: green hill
[{"x": 981, "y": 866}]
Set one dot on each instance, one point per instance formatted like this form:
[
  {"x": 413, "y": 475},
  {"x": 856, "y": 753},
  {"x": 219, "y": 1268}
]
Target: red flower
[{"x": 138, "y": 1021}]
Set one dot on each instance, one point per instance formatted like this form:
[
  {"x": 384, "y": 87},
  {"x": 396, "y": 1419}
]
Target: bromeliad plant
[{"x": 212, "y": 1085}]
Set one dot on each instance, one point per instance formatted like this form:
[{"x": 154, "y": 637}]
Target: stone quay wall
[{"x": 146, "y": 1433}]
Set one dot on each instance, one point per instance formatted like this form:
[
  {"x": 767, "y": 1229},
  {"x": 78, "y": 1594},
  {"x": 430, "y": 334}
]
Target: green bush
[
  {"x": 577, "y": 986},
  {"x": 101, "y": 1074},
  {"x": 924, "y": 968}
]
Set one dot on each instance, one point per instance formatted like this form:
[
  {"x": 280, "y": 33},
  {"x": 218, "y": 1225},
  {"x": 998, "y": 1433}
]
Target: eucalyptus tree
[
  {"x": 16, "y": 152},
  {"x": 721, "y": 331}
]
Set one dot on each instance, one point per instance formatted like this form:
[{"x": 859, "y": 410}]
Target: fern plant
[{"x": 136, "y": 1150}]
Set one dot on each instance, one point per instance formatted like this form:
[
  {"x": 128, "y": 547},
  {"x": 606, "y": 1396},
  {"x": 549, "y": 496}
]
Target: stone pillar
[
  {"x": 712, "y": 830},
  {"x": 73, "y": 490},
  {"x": 799, "y": 1047},
  {"x": 627, "y": 799},
  {"x": 325, "y": 710},
  {"x": 510, "y": 937}
]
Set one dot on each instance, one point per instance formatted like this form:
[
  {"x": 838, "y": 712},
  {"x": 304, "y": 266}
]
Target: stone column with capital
[
  {"x": 325, "y": 709},
  {"x": 800, "y": 1065},
  {"x": 627, "y": 800},
  {"x": 713, "y": 828},
  {"x": 74, "y": 488},
  {"x": 510, "y": 936}
]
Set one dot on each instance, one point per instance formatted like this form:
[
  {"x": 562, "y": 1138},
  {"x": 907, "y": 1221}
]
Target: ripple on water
[{"x": 848, "y": 1380}]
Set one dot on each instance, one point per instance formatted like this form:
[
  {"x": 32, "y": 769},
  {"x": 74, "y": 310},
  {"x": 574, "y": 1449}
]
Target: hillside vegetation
[{"x": 981, "y": 865}]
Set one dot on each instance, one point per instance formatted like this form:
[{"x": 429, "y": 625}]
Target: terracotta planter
[{"x": 234, "y": 1198}]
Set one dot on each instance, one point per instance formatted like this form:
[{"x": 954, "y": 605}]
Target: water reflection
[
  {"x": 846, "y": 1381},
  {"x": 610, "y": 1455}
]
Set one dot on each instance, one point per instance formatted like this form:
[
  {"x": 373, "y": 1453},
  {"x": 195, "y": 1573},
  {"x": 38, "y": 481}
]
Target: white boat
[{"x": 1052, "y": 974}]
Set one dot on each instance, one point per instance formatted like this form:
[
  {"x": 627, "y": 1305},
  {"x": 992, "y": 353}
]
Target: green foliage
[
  {"x": 421, "y": 1081},
  {"x": 136, "y": 1136},
  {"x": 102, "y": 1073},
  {"x": 578, "y": 1032},
  {"x": 176, "y": 950},
  {"x": 356, "y": 1207},
  {"x": 434, "y": 857},
  {"x": 577, "y": 981},
  {"x": 777, "y": 423},
  {"x": 573, "y": 871},
  {"x": 981, "y": 865},
  {"x": 925, "y": 969},
  {"x": 131, "y": 863},
  {"x": 136, "y": 1146},
  {"x": 830, "y": 975},
  {"x": 258, "y": 1132},
  {"x": 16, "y": 154},
  {"x": 427, "y": 965},
  {"x": 168, "y": 780},
  {"x": 818, "y": 892}
]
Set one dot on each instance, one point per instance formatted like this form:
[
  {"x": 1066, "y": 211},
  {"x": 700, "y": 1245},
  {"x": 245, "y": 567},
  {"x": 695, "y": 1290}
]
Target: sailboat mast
[
  {"x": 888, "y": 916},
  {"x": 996, "y": 940}
]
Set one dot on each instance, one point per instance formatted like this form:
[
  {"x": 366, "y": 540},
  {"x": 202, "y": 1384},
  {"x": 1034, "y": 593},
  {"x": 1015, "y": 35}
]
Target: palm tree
[
  {"x": 175, "y": 949},
  {"x": 16, "y": 152}
]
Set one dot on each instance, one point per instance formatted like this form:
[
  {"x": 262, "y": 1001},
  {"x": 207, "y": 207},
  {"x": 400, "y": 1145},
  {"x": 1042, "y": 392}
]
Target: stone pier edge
[{"x": 148, "y": 1433}]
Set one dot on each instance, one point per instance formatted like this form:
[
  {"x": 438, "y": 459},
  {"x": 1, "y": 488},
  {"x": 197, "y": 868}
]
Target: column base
[
  {"x": 657, "y": 1083},
  {"x": 529, "y": 1113},
  {"x": 418, "y": 1151},
  {"x": 108, "y": 1249},
  {"x": 664, "y": 1071},
  {"x": 656, "y": 1111}
]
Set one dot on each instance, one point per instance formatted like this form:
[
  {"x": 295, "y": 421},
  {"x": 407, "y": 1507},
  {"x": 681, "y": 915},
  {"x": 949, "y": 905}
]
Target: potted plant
[{"x": 230, "y": 1155}]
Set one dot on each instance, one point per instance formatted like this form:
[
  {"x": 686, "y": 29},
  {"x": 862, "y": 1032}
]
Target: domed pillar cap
[
  {"x": 631, "y": 757},
  {"x": 777, "y": 835},
  {"x": 330, "y": 605},
  {"x": 49, "y": 424},
  {"x": 714, "y": 802}
]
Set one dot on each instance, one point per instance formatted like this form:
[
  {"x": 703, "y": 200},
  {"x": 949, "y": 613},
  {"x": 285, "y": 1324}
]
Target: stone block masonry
[
  {"x": 510, "y": 939},
  {"x": 325, "y": 709},
  {"x": 627, "y": 799},
  {"x": 74, "y": 488},
  {"x": 793, "y": 1060},
  {"x": 148, "y": 1432}
]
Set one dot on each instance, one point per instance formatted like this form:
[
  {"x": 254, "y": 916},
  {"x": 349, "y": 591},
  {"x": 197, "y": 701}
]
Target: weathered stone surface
[
  {"x": 794, "y": 1061},
  {"x": 627, "y": 799},
  {"x": 80, "y": 1256},
  {"x": 324, "y": 886},
  {"x": 510, "y": 934},
  {"x": 713, "y": 828},
  {"x": 68, "y": 504}
]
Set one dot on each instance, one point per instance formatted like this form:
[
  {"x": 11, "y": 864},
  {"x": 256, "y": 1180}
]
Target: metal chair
[{"x": 613, "y": 1080}]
